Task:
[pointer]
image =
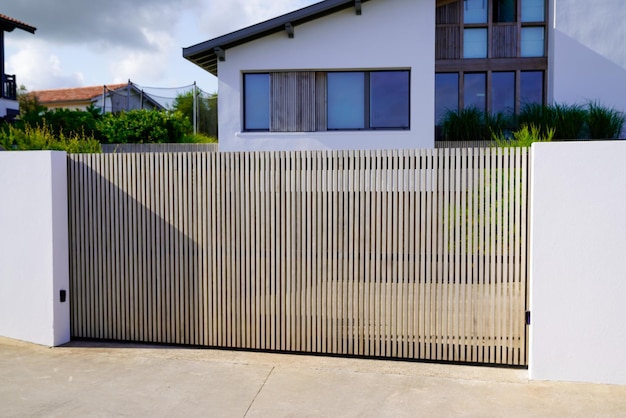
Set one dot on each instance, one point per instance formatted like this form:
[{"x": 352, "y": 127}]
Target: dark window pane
[
  {"x": 474, "y": 91},
  {"x": 446, "y": 94},
  {"x": 504, "y": 11},
  {"x": 346, "y": 100},
  {"x": 503, "y": 92},
  {"x": 257, "y": 101},
  {"x": 531, "y": 87},
  {"x": 389, "y": 99}
]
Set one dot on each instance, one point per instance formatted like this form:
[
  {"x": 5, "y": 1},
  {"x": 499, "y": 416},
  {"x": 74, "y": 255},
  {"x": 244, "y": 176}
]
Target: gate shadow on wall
[{"x": 413, "y": 254}]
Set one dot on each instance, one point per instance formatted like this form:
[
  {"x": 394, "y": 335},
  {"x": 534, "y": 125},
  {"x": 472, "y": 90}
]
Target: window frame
[{"x": 367, "y": 96}]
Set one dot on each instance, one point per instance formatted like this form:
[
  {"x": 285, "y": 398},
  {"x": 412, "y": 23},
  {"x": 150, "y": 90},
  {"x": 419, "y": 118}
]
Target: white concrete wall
[
  {"x": 587, "y": 57},
  {"x": 34, "y": 247},
  {"x": 390, "y": 34},
  {"x": 578, "y": 268}
]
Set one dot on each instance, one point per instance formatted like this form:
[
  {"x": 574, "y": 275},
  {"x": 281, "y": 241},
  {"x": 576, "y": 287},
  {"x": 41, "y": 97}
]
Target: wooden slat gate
[{"x": 418, "y": 254}]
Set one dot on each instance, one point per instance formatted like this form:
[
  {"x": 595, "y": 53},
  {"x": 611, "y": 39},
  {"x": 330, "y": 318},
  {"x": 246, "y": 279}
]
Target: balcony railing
[{"x": 9, "y": 88}]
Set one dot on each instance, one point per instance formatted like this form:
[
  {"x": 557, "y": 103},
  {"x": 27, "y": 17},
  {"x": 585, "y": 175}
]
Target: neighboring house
[
  {"x": 9, "y": 107},
  {"x": 351, "y": 74},
  {"x": 113, "y": 98}
]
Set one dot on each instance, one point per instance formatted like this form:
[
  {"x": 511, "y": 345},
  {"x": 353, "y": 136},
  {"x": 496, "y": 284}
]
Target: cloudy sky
[{"x": 88, "y": 43}]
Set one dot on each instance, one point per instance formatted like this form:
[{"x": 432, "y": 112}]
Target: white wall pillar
[
  {"x": 34, "y": 247},
  {"x": 578, "y": 268}
]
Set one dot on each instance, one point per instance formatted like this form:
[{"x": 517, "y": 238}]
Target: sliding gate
[{"x": 418, "y": 254}]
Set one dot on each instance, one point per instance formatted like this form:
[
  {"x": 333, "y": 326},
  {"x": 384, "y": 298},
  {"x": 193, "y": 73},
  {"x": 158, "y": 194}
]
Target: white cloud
[
  {"x": 145, "y": 65},
  {"x": 221, "y": 17},
  {"x": 37, "y": 68}
]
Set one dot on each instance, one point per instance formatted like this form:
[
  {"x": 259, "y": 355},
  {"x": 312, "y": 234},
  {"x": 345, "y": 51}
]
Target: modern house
[
  {"x": 111, "y": 98},
  {"x": 9, "y": 107},
  {"x": 356, "y": 74}
]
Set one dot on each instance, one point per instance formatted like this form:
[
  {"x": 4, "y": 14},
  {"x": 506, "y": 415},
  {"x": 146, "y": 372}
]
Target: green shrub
[
  {"x": 42, "y": 138},
  {"x": 472, "y": 124},
  {"x": 567, "y": 121},
  {"x": 604, "y": 122},
  {"x": 64, "y": 121},
  {"x": 198, "y": 139},
  {"x": 524, "y": 137},
  {"x": 144, "y": 126}
]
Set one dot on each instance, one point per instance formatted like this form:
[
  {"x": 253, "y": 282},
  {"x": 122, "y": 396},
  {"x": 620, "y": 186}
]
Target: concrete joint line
[{"x": 259, "y": 391}]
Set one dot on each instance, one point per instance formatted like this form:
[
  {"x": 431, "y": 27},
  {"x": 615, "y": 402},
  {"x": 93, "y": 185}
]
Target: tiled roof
[
  {"x": 10, "y": 24},
  {"x": 77, "y": 94}
]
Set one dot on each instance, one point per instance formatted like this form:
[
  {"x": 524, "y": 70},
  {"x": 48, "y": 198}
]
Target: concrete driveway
[{"x": 104, "y": 379}]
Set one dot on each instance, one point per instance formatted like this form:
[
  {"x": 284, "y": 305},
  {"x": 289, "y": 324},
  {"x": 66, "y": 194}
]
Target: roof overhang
[
  {"x": 207, "y": 54},
  {"x": 7, "y": 24}
]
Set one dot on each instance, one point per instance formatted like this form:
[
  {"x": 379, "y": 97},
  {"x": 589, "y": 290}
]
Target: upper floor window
[{"x": 471, "y": 29}]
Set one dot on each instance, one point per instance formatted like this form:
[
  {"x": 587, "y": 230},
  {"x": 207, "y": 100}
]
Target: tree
[
  {"x": 206, "y": 111},
  {"x": 29, "y": 103}
]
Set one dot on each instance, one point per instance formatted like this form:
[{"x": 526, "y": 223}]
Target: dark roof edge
[
  {"x": 9, "y": 24},
  {"x": 259, "y": 30}
]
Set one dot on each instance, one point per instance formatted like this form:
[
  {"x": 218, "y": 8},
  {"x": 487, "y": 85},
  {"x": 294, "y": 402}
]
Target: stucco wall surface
[
  {"x": 587, "y": 53},
  {"x": 578, "y": 273},
  {"x": 34, "y": 247},
  {"x": 390, "y": 34}
]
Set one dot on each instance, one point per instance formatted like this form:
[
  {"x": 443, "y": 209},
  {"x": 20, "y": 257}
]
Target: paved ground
[{"x": 101, "y": 379}]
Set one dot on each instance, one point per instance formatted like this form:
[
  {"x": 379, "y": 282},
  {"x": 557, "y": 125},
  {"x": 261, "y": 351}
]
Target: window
[
  {"x": 504, "y": 11},
  {"x": 531, "y": 87},
  {"x": 490, "y": 54},
  {"x": 475, "y": 43},
  {"x": 346, "y": 100},
  {"x": 474, "y": 92},
  {"x": 532, "y": 42},
  {"x": 389, "y": 99},
  {"x": 503, "y": 92},
  {"x": 317, "y": 101},
  {"x": 256, "y": 102},
  {"x": 446, "y": 94},
  {"x": 533, "y": 10}
]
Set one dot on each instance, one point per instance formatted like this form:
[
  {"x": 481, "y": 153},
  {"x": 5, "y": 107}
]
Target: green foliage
[
  {"x": 567, "y": 121},
  {"x": 144, "y": 126},
  {"x": 604, "y": 122},
  {"x": 198, "y": 139},
  {"x": 206, "y": 111},
  {"x": 524, "y": 137},
  {"x": 43, "y": 138},
  {"x": 471, "y": 124},
  {"x": 28, "y": 102}
]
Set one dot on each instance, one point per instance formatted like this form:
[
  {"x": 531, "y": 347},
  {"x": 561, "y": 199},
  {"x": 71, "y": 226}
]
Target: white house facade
[
  {"x": 587, "y": 59},
  {"x": 381, "y": 73},
  {"x": 373, "y": 59}
]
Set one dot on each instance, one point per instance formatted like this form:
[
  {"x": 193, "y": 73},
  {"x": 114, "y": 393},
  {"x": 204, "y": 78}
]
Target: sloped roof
[
  {"x": 76, "y": 94},
  {"x": 8, "y": 24},
  {"x": 205, "y": 54}
]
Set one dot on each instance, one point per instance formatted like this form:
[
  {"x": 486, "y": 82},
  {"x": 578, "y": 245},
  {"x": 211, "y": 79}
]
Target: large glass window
[
  {"x": 346, "y": 100},
  {"x": 531, "y": 87},
  {"x": 475, "y": 43},
  {"x": 532, "y": 42},
  {"x": 389, "y": 99},
  {"x": 533, "y": 10},
  {"x": 257, "y": 102},
  {"x": 503, "y": 92},
  {"x": 474, "y": 90},
  {"x": 446, "y": 94}
]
